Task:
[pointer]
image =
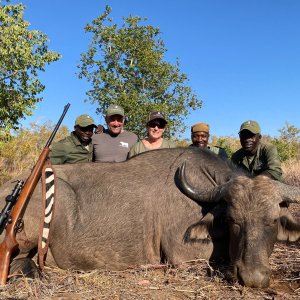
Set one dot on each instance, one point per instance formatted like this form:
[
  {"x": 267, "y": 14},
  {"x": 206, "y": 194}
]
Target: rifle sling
[{"x": 48, "y": 188}]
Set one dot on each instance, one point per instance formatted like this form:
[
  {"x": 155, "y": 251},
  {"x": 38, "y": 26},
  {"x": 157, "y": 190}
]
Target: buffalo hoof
[{"x": 24, "y": 267}]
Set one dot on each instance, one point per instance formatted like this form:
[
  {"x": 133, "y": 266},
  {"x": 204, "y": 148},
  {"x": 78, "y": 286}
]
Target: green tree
[
  {"x": 230, "y": 144},
  {"x": 288, "y": 142},
  {"x": 22, "y": 54},
  {"x": 125, "y": 66}
]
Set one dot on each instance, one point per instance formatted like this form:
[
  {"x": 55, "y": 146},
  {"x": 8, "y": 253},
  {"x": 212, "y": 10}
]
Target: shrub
[{"x": 23, "y": 148}]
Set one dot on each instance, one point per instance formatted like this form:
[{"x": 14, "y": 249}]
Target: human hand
[{"x": 99, "y": 129}]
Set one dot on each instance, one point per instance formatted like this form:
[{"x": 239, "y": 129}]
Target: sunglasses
[
  {"x": 87, "y": 128},
  {"x": 159, "y": 125}
]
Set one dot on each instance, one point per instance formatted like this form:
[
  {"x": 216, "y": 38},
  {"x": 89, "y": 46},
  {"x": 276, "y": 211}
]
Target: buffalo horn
[{"x": 212, "y": 195}]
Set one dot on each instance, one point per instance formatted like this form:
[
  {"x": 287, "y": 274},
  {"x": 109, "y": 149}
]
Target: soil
[{"x": 190, "y": 280}]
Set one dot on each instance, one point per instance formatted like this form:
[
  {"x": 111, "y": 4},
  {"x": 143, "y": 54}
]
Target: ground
[{"x": 190, "y": 280}]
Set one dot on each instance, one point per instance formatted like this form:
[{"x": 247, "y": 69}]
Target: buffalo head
[{"x": 255, "y": 219}]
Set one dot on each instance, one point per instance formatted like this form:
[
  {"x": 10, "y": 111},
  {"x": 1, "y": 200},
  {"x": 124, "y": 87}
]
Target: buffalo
[{"x": 167, "y": 205}]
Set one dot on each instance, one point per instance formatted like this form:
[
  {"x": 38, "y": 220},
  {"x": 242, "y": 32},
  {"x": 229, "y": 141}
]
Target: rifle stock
[{"x": 9, "y": 244}]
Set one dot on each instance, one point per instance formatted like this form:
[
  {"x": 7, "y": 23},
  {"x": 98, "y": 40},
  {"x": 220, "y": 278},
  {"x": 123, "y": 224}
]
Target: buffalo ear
[
  {"x": 288, "y": 229},
  {"x": 198, "y": 232},
  {"x": 203, "y": 231}
]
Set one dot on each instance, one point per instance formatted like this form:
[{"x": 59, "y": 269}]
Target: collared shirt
[
  {"x": 69, "y": 151},
  {"x": 266, "y": 159}
]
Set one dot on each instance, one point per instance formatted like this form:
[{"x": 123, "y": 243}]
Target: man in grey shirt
[{"x": 113, "y": 144}]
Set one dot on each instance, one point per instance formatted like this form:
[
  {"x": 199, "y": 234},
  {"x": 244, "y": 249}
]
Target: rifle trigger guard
[{"x": 20, "y": 225}]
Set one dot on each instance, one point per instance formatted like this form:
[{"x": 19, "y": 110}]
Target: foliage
[
  {"x": 288, "y": 142},
  {"x": 125, "y": 66},
  {"x": 230, "y": 144},
  {"x": 182, "y": 143},
  {"x": 22, "y": 54},
  {"x": 21, "y": 150}
]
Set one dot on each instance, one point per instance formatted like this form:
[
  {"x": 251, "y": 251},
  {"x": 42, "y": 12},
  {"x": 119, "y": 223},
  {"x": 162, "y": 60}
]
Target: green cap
[
  {"x": 252, "y": 126},
  {"x": 84, "y": 121},
  {"x": 115, "y": 110}
]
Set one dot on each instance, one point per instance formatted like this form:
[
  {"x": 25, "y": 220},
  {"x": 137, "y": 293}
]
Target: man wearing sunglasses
[
  {"x": 256, "y": 156},
  {"x": 200, "y": 137},
  {"x": 77, "y": 147},
  {"x": 155, "y": 126}
]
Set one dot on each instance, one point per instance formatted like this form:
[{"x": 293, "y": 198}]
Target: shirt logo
[{"x": 123, "y": 144}]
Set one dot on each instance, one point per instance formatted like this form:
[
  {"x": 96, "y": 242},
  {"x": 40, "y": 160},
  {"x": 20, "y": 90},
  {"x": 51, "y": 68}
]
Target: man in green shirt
[
  {"x": 200, "y": 137},
  {"x": 256, "y": 156},
  {"x": 77, "y": 147}
]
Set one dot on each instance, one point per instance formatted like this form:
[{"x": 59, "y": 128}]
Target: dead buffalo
[{"x": 169, "y": 205}]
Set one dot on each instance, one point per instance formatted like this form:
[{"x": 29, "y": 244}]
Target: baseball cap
[
  {"x": 115, "y": 109},
  {"x": 200, "y": 127},
  {"x": 157, "y": 115},
  {"x": 250, "y": 125},
  {"x": 84, "y": 121}
]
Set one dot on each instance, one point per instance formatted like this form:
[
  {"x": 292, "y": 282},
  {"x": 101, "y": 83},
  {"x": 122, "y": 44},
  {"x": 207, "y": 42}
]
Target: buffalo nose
[{"x": 256, "y": 278}]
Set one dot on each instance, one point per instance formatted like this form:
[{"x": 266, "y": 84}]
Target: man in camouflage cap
[
  {"x": 256, "y": 156},
  {"x": 200, "y": 137},
  {"x": 77, "y": 147}
]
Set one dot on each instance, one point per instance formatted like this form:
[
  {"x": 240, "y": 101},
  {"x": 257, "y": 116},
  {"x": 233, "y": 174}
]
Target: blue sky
[{"x": 242, "y": 57}]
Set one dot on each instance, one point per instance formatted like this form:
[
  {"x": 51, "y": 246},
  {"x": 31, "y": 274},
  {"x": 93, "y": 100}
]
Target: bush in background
[
  {"x": 288, "y": 143},
  {"x": 21, "y": 150}
]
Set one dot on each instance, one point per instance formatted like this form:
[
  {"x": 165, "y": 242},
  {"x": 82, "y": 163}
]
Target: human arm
[
  {"x": 273, "y": 165},
  {"x": 134, "y": 150},
  {"x": 99, "y": 129},
  {"x": 236, "y": 157},
  {"x": 57, "y": 154},
  {"x": 223, "y": 154}
]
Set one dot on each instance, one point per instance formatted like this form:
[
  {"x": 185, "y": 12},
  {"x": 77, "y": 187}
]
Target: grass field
[{"x": 190, "y": 280}]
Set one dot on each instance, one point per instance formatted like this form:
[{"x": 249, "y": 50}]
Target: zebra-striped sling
[{"x": 48, "y": 186}]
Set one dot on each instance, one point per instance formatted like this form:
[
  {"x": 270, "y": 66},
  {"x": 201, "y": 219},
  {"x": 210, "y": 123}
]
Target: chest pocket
[{"x": 259, "y": 166}]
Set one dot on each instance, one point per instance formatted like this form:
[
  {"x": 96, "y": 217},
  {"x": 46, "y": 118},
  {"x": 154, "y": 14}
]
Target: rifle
[{"x": 22, "y": 196}]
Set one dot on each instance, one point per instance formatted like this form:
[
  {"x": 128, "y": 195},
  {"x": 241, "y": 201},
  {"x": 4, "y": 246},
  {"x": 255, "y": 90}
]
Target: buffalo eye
[
  {"x": 271, "y": 223},
  {"x": 235, "y": 227}
]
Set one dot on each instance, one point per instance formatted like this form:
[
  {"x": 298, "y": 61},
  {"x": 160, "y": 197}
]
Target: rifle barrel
[{"x": 57, "y": 125}]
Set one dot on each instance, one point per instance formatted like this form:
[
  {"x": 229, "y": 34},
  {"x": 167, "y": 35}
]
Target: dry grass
[
  {"x": 24, "y": 148},
  {"x": 190, "y": 280},
  {"x": 291, "y": 171}
]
